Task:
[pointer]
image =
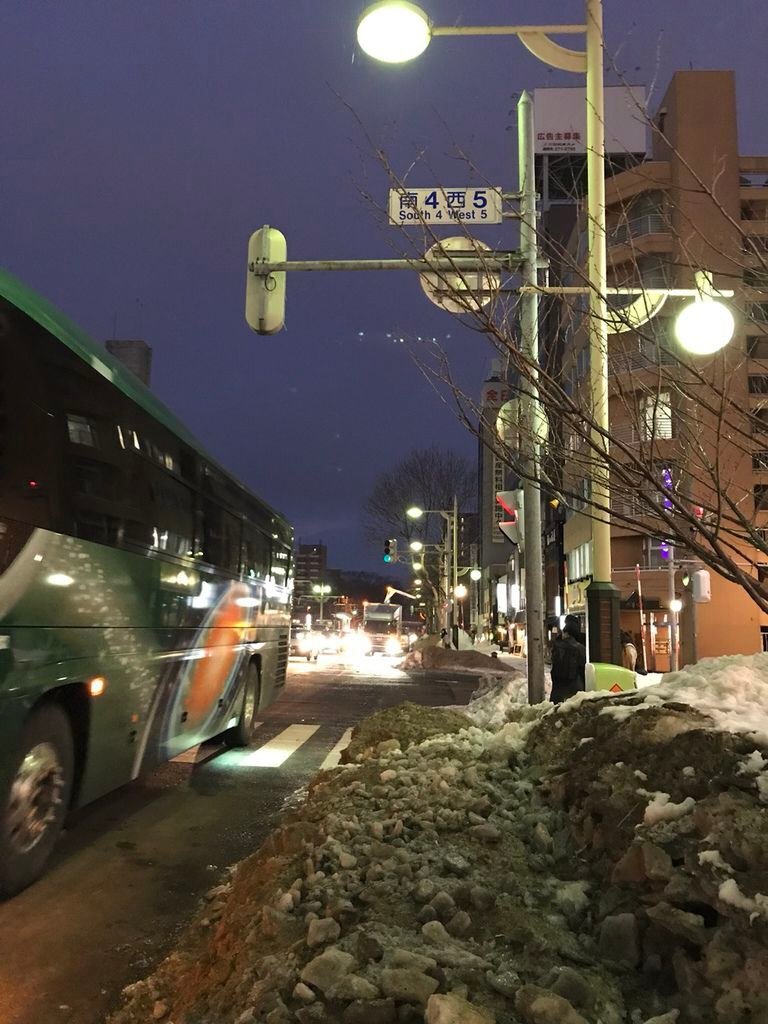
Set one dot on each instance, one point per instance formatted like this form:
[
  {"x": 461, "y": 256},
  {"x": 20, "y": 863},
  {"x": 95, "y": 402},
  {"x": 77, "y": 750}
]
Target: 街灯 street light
[
  {"x": 395, "y": 31},
  {"x": 416, "y": 545},
  {"x": 322, "y": 590},
  {"x": 451, "y": 517}
]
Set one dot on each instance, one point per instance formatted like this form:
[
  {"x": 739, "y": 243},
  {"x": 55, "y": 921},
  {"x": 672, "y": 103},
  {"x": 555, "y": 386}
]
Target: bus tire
[
  {"x": 35, "y": 802},
  {"x": 240, "y": 735}
]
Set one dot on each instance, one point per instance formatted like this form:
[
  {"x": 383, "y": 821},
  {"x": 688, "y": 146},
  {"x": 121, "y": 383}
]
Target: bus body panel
[{"x": 126, "y": 552}]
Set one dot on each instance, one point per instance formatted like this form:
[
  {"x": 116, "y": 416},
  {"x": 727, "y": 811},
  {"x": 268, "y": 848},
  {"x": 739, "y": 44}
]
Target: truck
[{"x": 383, "y": 628}]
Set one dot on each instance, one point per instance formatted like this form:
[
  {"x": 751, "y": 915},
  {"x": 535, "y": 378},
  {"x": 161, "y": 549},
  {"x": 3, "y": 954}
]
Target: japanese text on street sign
[{"x": 444, "y": 205}]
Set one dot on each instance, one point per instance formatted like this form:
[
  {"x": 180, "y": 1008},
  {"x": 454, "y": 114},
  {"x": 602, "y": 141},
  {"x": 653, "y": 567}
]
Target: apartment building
[{"x": 694, "y": 203}]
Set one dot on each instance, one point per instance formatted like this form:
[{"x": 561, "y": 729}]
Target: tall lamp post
[
  {"x": 322, "y": 590},
  {"x": 451, "y": 517},
  {"x": 394, "y": 31}
]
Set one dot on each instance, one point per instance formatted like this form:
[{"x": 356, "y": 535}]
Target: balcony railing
[
  {"x": 627, "y": 360},
  {"x": 636, "y": 227}
]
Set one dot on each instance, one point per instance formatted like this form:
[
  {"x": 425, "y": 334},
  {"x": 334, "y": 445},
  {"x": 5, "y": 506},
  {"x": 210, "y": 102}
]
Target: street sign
[{"x": 444, "y": 206}]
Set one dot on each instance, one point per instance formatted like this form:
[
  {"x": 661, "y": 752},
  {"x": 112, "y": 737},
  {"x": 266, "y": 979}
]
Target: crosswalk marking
[
  {"x": 334, "y": 755},
  {"x": 279, "y": 748},
  {"x": 202, "y": 751}
]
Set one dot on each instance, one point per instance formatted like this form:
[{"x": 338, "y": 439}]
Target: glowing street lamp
[
  {"x": 451, "y": 516},
  {"x": 417, "y": 566},
  {"x": 394, "y": 31},
  {"x": 416, "y": 545},
  {"x": 460, "y": 591},
  {"x": 705, "y": 325},
  {"x": 322, "y": 590},
  {"x": 475, "y": 575}
]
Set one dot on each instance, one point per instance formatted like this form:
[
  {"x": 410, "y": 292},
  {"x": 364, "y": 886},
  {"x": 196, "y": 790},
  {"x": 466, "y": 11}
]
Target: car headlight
[{"x": 392, "y": 646}]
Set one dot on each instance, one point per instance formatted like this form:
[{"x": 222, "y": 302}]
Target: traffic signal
[
  {"x": 265, "y": 294},
  {"x": 390, "y": 550}
]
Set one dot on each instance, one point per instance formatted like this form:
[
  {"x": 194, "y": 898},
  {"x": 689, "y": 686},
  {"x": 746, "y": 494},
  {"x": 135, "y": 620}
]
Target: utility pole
[
  {"x": 532, "y": 432},
  {"x": 672, "y": 610}
]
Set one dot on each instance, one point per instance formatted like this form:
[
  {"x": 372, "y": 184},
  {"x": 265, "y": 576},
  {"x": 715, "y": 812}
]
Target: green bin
[{"x": 612, "y": 678}]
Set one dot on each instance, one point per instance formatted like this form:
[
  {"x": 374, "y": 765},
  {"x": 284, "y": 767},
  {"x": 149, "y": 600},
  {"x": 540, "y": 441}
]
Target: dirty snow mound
[{"x": 571, "y": 866}]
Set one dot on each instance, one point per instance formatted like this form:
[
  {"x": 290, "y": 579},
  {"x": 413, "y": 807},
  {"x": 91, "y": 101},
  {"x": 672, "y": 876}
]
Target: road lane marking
[
  {"x": 279, "y": 748},
  {"x": 199, "y": 754},
  {"x": 334, "y": 755}
]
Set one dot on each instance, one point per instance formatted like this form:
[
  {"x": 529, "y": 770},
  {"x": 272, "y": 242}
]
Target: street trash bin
[{"x": 599, "y": 675}]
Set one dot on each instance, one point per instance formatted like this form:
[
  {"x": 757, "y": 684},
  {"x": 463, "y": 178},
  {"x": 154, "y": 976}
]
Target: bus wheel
[
  {"x": 35, "y": 802},
  {"x": 240, "y": 735}
]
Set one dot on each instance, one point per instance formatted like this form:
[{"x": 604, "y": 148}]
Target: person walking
[
  {"x": 569, "y": 656},
  {"x": 628, "y": 650}
]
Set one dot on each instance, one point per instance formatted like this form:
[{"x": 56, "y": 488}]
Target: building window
[
  {"x": 656, "y": 416},
  {"x": 758, "y": 383},
  {"x": 760, "y": 494},
  {"x": 760, "y": 461},
  {"x": 81, "y": 430},
  {"x": 759, "y": 420},
  {"x": 757, "y": 346},
  {"x": 580, "y": 561}
]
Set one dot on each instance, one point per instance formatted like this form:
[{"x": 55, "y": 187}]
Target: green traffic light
[{"x": 387, "y": 558}]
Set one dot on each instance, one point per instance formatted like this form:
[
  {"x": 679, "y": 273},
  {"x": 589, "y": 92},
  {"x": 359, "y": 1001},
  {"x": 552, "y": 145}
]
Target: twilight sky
[{"x": 143, "y": 141}]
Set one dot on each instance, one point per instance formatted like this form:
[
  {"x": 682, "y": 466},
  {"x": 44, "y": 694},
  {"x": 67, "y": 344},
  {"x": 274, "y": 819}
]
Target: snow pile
[
  {"x": 661, "y": 808},
  {"x": 500, "y": 865},
  {"x": 449, "y": 660},
  {"x": 496, "y": 700},
  {"x": 732, "y": 691}
]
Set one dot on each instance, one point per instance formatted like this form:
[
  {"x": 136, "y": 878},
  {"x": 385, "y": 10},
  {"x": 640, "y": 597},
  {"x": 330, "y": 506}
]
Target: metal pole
[
  {"x": 455, "y": 574},
  {"x": 532, "y": 413},
  {"x": 603, "y": 606},
  {"x": 444, "y": 583},
  {"x": 672, "y": 614}
]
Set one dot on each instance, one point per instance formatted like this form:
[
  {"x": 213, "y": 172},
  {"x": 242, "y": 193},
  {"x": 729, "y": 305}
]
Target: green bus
[{"x": 145, "y": 593}]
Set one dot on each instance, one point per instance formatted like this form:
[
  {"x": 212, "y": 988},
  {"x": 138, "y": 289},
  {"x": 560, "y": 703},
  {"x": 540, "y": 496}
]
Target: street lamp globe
[
  {"x": 460, "y": 591},
  {"x": 414, "y": 512},
  {"x": 676, "y": 605},
  {"x": 475, "y": 575},
  {"x": 418, "y": 566},
  {"x": 393, "y": 31},
  {"x": 704, "y": 326},
  {"x": 416, "y": 545}
]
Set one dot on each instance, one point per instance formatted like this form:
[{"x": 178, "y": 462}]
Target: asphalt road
[{"x": 131, "y": 868}]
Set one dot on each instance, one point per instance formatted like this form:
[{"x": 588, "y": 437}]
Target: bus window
[
  {"x": 255, "y": 557},
  {"x": 81, "y": 430}
]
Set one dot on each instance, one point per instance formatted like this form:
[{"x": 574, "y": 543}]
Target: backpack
[{"x": 568, "y": 660}]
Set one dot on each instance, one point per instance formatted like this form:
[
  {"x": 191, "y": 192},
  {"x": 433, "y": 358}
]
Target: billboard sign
[{"x": 560, "y": 119}]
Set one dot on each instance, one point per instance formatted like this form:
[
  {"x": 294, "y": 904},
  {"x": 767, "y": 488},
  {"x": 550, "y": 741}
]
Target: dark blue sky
[{"x": 143, "y": 141}]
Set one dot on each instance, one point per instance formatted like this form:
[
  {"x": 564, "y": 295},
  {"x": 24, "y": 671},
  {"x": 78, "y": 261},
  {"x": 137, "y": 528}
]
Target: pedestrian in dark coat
[
  {"x": 573, "y": 625},
  {"x": 569, "y": 656}
]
